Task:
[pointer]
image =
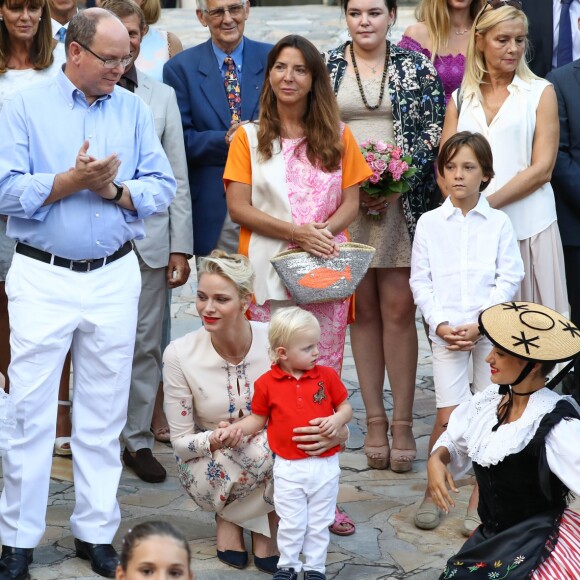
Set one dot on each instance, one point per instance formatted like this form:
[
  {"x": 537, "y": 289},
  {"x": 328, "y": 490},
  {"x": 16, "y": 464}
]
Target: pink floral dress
[{"x": 314, "y": 196}]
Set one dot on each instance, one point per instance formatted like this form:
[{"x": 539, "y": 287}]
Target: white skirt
[{"x": 545, "y": 278}]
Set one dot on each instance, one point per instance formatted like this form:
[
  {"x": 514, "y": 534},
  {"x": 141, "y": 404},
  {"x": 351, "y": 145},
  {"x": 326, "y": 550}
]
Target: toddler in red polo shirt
[{"x": 292, "y": 393}]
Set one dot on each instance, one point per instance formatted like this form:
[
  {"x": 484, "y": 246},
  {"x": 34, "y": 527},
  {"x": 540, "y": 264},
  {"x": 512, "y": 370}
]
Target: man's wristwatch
[{"x": 119, "y": 189}]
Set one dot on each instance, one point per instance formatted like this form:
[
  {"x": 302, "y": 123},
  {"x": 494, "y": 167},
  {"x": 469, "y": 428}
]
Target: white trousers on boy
[{"x": 305, "y": 492}]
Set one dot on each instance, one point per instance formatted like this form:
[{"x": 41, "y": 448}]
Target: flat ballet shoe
[
  {"x": 470, "y": 523},
  {"x": 268, "y": 565},
  {"x": 427, "y": 516},
  {"x": 233, "y": 558}
]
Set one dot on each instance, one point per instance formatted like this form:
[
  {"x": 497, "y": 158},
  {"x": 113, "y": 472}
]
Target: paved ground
[{"x": 386, "y": 545}]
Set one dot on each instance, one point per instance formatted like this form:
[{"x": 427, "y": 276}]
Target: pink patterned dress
[{"x": 314, "y": 196}]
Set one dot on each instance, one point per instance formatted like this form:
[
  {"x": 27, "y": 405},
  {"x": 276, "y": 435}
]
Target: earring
[{"x": 348, "y": 32}]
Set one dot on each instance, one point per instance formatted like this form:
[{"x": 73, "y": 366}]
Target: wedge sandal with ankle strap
[
  {"x": 378, "y": 455},
  {"x": 402, "y": 459}
]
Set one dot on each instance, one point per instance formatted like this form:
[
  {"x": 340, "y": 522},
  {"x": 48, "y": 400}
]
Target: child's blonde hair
[{"x": 285, "y": 324}]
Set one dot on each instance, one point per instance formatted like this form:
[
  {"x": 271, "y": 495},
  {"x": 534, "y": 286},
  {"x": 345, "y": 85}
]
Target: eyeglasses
[
  {"x": 108, "y": 62},
  {"x": 499, "y": 3},
  {"x": 235, "y": 11}
]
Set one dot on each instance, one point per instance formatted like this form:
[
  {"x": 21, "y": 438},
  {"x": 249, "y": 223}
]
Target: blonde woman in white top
[{"x": 518, "y": 114}]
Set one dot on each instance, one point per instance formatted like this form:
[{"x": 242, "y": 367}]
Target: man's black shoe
[
  {"x": 103, "y": 557},
  {"x": 145, "y": 465},
  {"x": 14, "y": 563}
]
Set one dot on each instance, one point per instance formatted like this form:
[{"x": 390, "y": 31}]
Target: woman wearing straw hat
[{"x": 523, "y": 441}]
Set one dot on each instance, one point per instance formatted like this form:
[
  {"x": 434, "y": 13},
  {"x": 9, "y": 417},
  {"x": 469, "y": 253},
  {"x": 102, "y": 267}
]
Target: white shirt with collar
[
  {"x": 461, "y": 265},
  {"x": 56, "y": 26},
  {"x": 575, "y": 23},
  {"x": 511, "y": 137}
]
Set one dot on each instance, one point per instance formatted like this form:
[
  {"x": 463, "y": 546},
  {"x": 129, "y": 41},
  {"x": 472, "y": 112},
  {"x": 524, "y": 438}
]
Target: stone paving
[{"x": 386, "y": 545}]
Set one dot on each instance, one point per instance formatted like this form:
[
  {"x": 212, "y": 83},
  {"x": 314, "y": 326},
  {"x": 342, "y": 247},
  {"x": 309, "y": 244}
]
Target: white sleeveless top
[{"x": 511, "y": 134}]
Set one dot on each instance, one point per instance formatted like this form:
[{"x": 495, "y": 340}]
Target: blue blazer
[
  {"x": 205, "y": 116},
  {"x": 566, "y": 174}
]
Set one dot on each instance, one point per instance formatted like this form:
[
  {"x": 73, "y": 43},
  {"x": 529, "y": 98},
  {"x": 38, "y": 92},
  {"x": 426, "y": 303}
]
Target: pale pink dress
[{"x": 314, "y": 196}]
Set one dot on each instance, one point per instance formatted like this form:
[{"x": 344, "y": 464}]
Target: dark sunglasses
[{"x": 499, "y": 3}]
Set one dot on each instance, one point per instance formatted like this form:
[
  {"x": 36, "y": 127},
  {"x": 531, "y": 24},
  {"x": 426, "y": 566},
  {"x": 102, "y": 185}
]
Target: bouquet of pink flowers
[{"x": 390, "y": 167}]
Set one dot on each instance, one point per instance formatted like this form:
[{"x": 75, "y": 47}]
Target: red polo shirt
[{"x": 289, "y": 402}]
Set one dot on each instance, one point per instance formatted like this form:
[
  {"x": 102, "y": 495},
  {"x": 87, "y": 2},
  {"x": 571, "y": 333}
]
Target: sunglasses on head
[{"x": 499, "y": 3}]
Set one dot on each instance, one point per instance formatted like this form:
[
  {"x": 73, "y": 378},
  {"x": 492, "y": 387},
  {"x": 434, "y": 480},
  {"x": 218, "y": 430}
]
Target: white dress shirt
[
  {"x": 461, "y": 265},
  {"x": 469, "y": 436},
  {"x": 575, "y": 23}
]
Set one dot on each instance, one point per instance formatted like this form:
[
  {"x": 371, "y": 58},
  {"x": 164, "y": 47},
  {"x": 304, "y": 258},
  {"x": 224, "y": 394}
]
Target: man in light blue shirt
[{"x": 80, "y": 167}]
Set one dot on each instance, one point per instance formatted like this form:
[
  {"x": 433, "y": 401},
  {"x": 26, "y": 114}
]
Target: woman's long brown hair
[
  {"x": 42, "y": 45},
  {"x": 321, "y": 120}
]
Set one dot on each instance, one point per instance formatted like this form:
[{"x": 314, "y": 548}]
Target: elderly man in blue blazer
[
  {"x": 566, "y": 184},
  {"x": 218, "y": 86}
]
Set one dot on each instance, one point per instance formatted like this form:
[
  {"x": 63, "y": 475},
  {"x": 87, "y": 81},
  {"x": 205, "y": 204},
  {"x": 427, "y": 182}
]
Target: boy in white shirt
[{"x": 465, "y": 259}]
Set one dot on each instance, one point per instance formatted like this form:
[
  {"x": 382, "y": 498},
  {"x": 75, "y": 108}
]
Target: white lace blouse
[{"x": 469, "y": 436}]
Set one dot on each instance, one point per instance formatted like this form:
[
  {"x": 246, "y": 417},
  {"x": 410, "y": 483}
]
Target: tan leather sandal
[
  {"x": 402, "y": 459},
  {"x": 378, "y": 455}
]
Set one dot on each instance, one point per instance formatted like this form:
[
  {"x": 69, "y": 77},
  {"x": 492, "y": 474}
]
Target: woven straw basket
[{"x": 310, "y": 279}]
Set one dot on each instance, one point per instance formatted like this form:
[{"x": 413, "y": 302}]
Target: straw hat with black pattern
[{"x": 534, "y": 333}]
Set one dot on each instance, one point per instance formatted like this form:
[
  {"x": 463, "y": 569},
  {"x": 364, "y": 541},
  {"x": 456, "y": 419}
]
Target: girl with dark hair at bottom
[
  {"x": 523, "y": 441},
  {"x": 154, "y": 550}
]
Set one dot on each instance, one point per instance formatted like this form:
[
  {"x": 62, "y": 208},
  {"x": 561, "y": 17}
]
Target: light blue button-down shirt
[
  {"x": 237, "y": 55},
  {"x": 42, "y": 130}
]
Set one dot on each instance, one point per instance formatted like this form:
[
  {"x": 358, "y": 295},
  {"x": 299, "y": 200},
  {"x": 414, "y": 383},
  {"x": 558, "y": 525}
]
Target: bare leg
[
  {"x": 366, "y": 340},
  {"x": 400, "y": 346},
  {"x": 265, "y": 547},
  {"x": 474, "y": 499},
  {"x": 159, "y": 423},
  {"x": 4, "y": 334},
  {"x": 229, "y": 536}
]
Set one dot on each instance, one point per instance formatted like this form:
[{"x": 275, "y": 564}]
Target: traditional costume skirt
[{"x": 544, "y": 547}]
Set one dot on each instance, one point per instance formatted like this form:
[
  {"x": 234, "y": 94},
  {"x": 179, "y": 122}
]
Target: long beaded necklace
[{"x": 383, "y": 80}]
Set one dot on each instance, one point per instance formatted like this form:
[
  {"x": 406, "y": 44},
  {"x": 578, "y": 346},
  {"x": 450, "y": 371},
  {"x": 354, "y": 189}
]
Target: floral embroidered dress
[
  {"x": 313, "y": 196},
  {"x": 526, "y": 470},
  {"x": 202, "y": 389},
  {"x": 418, "y": 109},
  {"x": 450, "y": 67}
]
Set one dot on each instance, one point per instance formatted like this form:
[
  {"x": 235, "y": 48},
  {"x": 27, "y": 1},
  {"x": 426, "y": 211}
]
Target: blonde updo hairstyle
[
  {"x": 233, "y": 267},
  {"x": 475, "y": 68},
  {"x": 285, "y": 324}
]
